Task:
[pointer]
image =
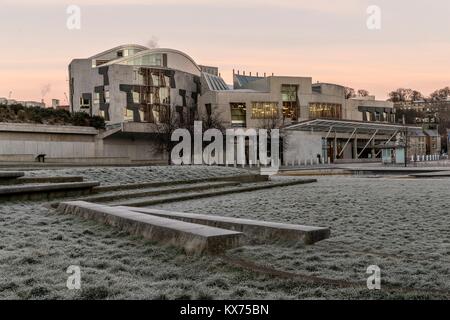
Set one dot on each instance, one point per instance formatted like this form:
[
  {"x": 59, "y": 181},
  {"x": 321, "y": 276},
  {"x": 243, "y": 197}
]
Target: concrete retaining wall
[{"x": 70, "y": 144}]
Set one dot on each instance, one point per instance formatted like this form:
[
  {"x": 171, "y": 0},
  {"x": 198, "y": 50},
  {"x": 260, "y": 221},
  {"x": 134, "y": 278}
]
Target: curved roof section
[
  {"x": 176, "y": 59},
  {"x": 118, "y": 48}
]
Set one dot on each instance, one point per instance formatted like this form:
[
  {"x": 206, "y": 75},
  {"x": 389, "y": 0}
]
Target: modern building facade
[
  {"x": 135, "y": 88},
  {"x": 135, "y": 84}
]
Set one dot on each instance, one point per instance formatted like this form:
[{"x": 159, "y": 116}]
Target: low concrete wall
[
  {"x": 17, "y": 157},
  {"x": 54, "y": 141},
  {"x": 347, "y": 161},
  {"x": 91, "y": 160},
  {"x": 74, "y": 145}
]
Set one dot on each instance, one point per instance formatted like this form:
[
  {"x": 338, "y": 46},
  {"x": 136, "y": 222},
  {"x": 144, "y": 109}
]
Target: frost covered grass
[
  {"x": 400, "y": 225},
  {"x": 403, "y": 226},
  {"x": 116, "y": 175}
]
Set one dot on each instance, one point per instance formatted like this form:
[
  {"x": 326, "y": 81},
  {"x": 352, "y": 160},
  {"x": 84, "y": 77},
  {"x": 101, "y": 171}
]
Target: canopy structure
[{"x": 347, "y": 126}]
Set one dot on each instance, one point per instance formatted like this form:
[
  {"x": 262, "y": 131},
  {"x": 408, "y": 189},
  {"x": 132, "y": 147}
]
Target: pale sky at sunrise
[{"x": 326, "y": 40}]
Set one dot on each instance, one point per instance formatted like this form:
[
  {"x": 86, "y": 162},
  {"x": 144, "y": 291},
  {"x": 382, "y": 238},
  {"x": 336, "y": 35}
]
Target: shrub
[
  {"x": 97, "y": 122},
  {"x": 80, "y": 119},
  {"x": 21, "y": 114}
]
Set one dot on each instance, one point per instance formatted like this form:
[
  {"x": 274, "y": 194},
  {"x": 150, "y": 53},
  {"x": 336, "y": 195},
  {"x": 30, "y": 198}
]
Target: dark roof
[{"x": 215, "y": 83}]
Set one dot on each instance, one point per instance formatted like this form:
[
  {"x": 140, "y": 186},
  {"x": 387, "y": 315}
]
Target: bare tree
[
  {"x": 441, "y": 94},
  {"x": 213, "y": 120},
  {"x": 363, "y": 93},
  {"x": 169, "y": 121},
  {"x": 404, "y": 95},
  {"x": 349, "y": 93}
]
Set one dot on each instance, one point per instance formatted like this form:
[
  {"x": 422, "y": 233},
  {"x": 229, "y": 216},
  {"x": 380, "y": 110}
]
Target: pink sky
[{"x": 326, "y": 40}]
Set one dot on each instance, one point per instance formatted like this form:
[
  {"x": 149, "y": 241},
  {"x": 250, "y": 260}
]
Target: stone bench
[
  {"x": 261, "y": 231},
  {"x": 45, "y": 191},
  {"x": 193, "y": 238}
]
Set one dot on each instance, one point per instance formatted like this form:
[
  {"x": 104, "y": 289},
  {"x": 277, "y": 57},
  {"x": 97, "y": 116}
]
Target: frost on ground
[{"x": 400, "y": 225}]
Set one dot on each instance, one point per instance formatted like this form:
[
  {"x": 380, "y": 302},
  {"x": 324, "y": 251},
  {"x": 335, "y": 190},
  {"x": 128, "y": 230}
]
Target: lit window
[
  {"x": 290, "y": 101},
  {"x": 136, "y": 98},
  {"x": 325, "y": 110},
  {"x": 128, "y": 115},
  {"x": 264, "y": 110}
]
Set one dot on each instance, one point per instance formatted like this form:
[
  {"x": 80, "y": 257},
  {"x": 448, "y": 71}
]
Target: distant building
[
  {"x": 8, "y": 102},
  {"x": 55, "y": 103}
]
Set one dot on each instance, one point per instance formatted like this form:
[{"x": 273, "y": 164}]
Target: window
[
  {"x": 96, "y": 98},
  {"x": 85, "y": 103},
  {"x": 290, "y": 101},
  {"x": 136, "y": 98},
  {"x": 238, "y": 115},
  {"x": 264, "y": 110},
  {"x": 145, "y": 60},
  {"x": 325, "y": 110},
  {"x": 128, "y": 115}
]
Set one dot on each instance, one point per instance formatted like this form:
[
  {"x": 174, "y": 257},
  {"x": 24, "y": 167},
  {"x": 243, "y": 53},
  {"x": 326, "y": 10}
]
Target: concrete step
[
  {"x": 193, "y": 238},
  {"x": 8, "y": 175},
  {"x": 46, "y": 191},
  {"x": 149, "y": 201},
  {"x": 133, "y": 193},
  {"x": 28, "y": 180},
  {"x": 246, "y": 178},
  {"x": 262, "y": 231}
]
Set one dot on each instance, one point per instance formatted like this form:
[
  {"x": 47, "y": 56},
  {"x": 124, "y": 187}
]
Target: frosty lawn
[{"x": 400, "y": 225}]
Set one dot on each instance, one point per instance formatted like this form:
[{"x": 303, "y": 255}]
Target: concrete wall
[
  {"x": 54, "y": 141},
  {"x": 23, "y": 142},
  {"x": 137, "y": 149},
  {"x": 351, "y": 107}
]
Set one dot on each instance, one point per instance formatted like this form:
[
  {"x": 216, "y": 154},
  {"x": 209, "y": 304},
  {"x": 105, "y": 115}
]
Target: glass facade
[
  {"x": 151, "y": 59},
  {"x": 264, "y": 110},
  {"x": 238, "y": 114},
  {"x": 325, "y": 110},
  {"x": 152, "y": 96},
  {"x": 290, "y": 101}
]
